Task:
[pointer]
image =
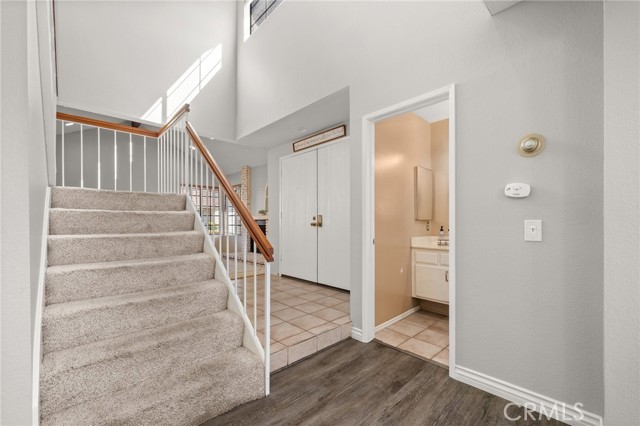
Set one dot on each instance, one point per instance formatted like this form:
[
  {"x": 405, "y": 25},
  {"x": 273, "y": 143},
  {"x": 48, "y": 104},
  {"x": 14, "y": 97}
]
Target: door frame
[
  {"x": 294, "y": 154},
  {"x": 368, "y": 208}
]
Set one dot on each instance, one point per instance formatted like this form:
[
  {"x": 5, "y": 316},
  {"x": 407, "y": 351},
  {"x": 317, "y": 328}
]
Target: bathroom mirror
[{"x": 423, "y": 193}]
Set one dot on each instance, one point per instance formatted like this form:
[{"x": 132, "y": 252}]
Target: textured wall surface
[
  {"x": 528, "y": 313},
  {"x": 121, "y": 58},
  {"x": 621, "y": 220}
]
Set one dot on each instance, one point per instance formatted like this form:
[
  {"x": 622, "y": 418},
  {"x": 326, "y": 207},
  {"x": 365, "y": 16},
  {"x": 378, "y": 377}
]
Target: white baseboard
[
  {"x": 548, "y": 407},
  {"x": 37, "y": 331},
  {"x": 356, "y": 334},
  {"x": 398, "y": 318}
]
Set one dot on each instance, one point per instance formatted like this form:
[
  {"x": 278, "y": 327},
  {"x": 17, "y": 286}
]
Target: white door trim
[{"x": 368, "y": 210}]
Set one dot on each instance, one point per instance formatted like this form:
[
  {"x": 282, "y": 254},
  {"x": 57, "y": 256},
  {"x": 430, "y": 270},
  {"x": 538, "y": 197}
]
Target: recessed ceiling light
[
  {"x": 192, "y": 147},
  {"x": 302, "y": 130},
  {"x": 68, "y": 124}
]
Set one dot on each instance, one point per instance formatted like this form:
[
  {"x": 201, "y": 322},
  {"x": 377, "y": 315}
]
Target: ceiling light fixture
[{"x": 68, "y": 124}]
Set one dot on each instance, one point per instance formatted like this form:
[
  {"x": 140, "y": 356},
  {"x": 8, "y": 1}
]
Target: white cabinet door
[
  {"x": 333, "y": 205},
  {"x": 299, "y": 198},
  {"x": 432, "y": 283}
]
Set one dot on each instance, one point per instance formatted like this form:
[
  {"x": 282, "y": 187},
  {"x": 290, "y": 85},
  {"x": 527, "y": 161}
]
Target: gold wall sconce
[{"x": 531, "y": 145}]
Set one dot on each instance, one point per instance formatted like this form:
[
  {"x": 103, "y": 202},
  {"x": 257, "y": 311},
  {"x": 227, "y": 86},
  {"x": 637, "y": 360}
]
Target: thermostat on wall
[{"x": 517, "y": 190}]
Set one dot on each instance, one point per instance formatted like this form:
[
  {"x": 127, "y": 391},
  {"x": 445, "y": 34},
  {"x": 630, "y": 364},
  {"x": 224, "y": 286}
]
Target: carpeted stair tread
[
  {"x": 186, "y": 395},
  {"x": 80, "y": 322},
  {"x": 80, "y": 221},
  {"x": 77, "y": 375},
  {"x": 72, "y": 249},
  {"x": 94, "y": 199},
  {"x": 65, "y": 283}
]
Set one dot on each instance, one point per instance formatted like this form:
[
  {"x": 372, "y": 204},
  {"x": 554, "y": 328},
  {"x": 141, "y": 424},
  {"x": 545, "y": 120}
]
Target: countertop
[{"x": 429, "y": 243}]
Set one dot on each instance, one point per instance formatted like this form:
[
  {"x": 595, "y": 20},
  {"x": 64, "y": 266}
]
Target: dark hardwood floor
[{"x": 356, "y": 383}]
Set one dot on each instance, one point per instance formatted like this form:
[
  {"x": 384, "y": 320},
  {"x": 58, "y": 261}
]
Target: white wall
[
  {"x": 25, "y": 114},
  {"x": 119, "y": 58},
  {"x": 528, "y": 313},
  {"x": 621, "y": 220}
]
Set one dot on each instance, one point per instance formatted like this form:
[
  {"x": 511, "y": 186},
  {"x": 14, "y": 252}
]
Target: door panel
[
  {"x": 333, "y": 205},
  {"x": 432, "y": 283},
  {"x": 299, "y": 198}
]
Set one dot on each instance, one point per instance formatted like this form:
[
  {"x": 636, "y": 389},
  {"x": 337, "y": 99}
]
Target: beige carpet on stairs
[{"x": 136, "y": 329}]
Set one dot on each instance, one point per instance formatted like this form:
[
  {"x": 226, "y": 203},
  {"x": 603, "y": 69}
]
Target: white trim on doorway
[{"x": 368, "y": 210}]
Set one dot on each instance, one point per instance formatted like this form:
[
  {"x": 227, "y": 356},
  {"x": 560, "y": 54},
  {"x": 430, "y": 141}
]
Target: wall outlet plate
[{"x": 517, "y": 190}]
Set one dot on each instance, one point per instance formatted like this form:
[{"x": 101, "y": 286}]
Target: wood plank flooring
[{"x": 355, "y": 383}]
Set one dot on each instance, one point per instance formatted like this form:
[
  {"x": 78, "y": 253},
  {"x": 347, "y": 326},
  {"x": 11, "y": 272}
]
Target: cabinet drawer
[
  {"x": 444, "y": 259},
  {"x": 431, "y": 283},
  {"x": 426, "y": 257}
]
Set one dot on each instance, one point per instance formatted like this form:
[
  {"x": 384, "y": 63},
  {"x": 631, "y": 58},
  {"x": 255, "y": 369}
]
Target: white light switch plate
[{"x": 533, "y": 230}]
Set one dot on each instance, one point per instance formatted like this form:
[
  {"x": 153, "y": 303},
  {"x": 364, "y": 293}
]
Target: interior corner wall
[
  {"x": 402, "y": 143},
  {"x": 537, "y": 66},
  {"x": 120, "y": 58},
  {"x": 24, "y": 177},
  {"x": 621, "y": 220}
]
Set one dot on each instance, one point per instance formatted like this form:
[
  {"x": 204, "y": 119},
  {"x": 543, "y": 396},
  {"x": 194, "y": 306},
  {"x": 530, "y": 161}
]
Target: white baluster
[
  {"x": 174, "y": 162},
  {"x": 201, "y": 181},
  {"x": 99, "y": 172},
  {"x": 226, "y": 222},
  {"x": 220, "y": 219},
  {"x": 63, "y": 126},
  {"x": 235, "y": 259},
  {"x": 207, "y": 215},
  {"x": 81, "y": 156},
  {"x": 267, "y": 327},
  {"x": 130, "y": 162},
  {"x": 255, "y": 289},
  {"x": 244, "y": 276},
  {"x": 158, "y": 165},
  {"x": 144, "y": 167},
  {"x": 115, "y": 161}
]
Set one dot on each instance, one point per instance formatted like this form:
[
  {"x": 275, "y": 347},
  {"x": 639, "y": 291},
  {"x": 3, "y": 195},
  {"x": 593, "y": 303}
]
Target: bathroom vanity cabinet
[{"x": 430, "y": 272}]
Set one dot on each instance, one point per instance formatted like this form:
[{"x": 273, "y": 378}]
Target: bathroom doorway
[{"x": 409, "y": 226}]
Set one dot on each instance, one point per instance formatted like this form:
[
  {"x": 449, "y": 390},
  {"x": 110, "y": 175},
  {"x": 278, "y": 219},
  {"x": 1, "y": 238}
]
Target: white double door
[{"x": 315, "y": 199}]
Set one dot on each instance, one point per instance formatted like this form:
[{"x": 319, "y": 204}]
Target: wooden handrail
[
  {"x": 106, "y": 125},
  {"x": 182, "y": 111},
  {"x": 254, "y": 230},
  {"x": 121, "y": 127}
]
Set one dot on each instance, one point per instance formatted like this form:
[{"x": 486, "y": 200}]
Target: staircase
[{"x": 136, "y": 330}]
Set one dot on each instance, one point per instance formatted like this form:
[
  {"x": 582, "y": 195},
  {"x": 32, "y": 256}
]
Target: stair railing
[{"x": 176, "y": 160}]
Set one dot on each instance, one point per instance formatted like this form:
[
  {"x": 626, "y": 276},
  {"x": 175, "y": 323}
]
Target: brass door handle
[{"x": 318, "y": 222}]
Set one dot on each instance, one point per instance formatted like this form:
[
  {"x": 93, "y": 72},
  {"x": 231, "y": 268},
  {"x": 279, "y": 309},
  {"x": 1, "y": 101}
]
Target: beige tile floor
[
  {"x": 305, "y": 317},
  {"x": 423, "y": 333}
]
